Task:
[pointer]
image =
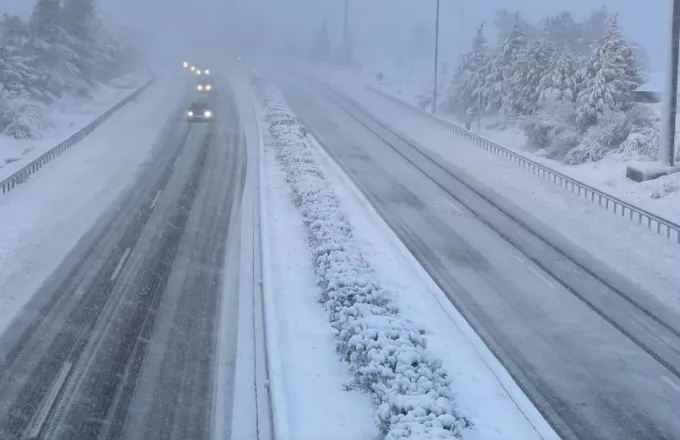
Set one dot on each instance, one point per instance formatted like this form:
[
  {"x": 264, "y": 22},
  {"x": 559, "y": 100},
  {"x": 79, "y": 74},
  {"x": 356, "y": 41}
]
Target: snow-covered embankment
[{"x": 387, "y": 356}]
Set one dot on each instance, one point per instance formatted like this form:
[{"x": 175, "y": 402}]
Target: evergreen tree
[
  {"x": 610, "y": 75},
  {"x": 504, "y": 20},
  {"x": 559, "y": 81},
  {"x": 564, "y": 31},
  {"x": 46, "y": 19},
  {"x": 78, "y": 18},
  {"x": 40, "y": 61},
  {"x": 523, "y": 96},
  {"x": 470, "y": 76},
  {"x": 501, "y": 83},
  {"x": 83, "y": 27},
  {"x": 16, "y": 75},
  {"x": 593, "y": 28},
  {"x": 493, "y": 84},
  {"x": 48, "y": 49},
  {"x": 320, "y": 50},
  {"x": 345, "y": 50}
]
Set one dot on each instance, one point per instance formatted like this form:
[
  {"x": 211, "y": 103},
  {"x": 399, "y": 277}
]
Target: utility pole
[
  {"x": 346, "y": 29},
  {"x": 461, "y": 32},
  {"x": 436, "y": 60},
  {"x": 670, "y": 105},
  {"x": 346, "y": 49}
]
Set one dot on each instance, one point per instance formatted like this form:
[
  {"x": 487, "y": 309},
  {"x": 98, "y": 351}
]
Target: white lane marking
[
  {"x": 671, "y": 383},
  {"x": 155, "y": 199},
  {"x": 454, "y": 205},
  {"x": 50, "y": 399},
  {"x": 541, "y": 276},
  {"x": 538, "y": 274},
  {"x": 176, "y": 160},
  {"x": 125, "y": 256}
]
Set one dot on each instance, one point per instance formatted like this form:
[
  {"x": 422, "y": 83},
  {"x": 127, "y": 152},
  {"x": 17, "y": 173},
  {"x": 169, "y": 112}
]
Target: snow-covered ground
[
  {"x": 660, "y": 196},
  {"x": 315, "y": 379},
  {"x": 44, "y": 218},
  {"x": 635, "y": 252},
  {"x": 63, "y": 118}
]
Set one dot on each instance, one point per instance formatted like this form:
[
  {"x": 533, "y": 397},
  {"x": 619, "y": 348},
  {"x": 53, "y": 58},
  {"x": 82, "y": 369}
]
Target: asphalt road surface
[
  {"x": 121, "y": 341},
  {"x": 599, "y": 358}
]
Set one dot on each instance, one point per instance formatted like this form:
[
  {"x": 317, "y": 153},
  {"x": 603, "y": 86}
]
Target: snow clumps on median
[{"x": 388, "y": 358}]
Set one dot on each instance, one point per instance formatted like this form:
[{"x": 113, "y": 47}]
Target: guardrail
[
  {"x": 23, "y": 174},
  {"x": 613, "y": 204}
]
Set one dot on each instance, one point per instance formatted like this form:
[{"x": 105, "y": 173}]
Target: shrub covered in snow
[
  {"x": 389, "y": 359},
  {"x": 20, "y": 117},
  {"x": 633, "y": 127},
  {"x": 553, "y": 132},
  {"x": 641, "y": 145},
  {"x": 552, "y": 129}
]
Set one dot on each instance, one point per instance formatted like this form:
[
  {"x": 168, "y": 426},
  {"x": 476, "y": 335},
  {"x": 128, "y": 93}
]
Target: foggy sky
[{"x": 375, "y": 22}]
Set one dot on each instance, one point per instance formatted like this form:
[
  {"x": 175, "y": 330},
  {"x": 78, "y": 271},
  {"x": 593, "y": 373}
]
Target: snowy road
[
  {"x": 121, "y": 341},
  {"x": 596, "y": 364}
]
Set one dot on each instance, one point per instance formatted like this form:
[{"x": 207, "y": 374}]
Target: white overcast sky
[{"x": 172, "y": 20}]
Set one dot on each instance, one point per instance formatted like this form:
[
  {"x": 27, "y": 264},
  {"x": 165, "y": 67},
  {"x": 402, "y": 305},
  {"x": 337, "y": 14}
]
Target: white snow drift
[{"x": 387, "y": 356}]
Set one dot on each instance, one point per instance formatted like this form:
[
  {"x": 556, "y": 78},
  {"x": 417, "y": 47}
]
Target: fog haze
[{"x": 377, "y": 24}]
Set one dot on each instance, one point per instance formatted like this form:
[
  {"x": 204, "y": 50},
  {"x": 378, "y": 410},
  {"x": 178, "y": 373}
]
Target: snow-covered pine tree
[
  {"x": 78, "y": 18},
  {"x": 523, "y": 97},
  {"x": 46, "y": 19},
  {"x": 610, "y": 76},
  {"x": 564, "y": 31},
  {"x": 470, "y": 76},
  {"x": 46, "y": 35},
  {"x": 593, "y": 28},
  {"x": 15, "y": 73},
  {"x": 513, "y": 62},
  {"x": 57, "y": 62},
  {"x": 504, "y": 20},
  {"x": 493, "y": 84},
  {"x": 80, "y": 23},
  {"x": 502, "y": 68},
  {"x": 320, "y": 49},
  {"x": 559, "y": 81}
]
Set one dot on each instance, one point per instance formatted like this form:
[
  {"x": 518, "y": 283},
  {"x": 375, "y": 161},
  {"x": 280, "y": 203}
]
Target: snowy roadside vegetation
[
  {"x": 63, "y": 50},
  {"x": 388, "y": 358},
  {"x": 568, "y": 84}
]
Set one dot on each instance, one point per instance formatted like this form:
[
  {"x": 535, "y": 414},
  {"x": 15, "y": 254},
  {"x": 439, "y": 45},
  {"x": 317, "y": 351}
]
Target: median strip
[{"x": 388, "y": 356}]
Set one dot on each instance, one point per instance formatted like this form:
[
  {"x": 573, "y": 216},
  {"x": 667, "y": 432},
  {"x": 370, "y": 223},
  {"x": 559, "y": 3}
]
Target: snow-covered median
[{"x": 387, "y": 355}]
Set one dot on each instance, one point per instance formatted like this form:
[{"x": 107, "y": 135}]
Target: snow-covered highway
[
  {"x": 140, "y": 310},
  {"x": 124, "y": 338},
  {"x": 595, "y": 354}
]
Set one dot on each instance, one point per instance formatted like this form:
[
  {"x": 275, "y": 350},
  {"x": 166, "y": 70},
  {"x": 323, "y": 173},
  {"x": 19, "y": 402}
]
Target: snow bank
[
  {"x": 641, "y": 171},
  {"x": 388, "y": 357}
]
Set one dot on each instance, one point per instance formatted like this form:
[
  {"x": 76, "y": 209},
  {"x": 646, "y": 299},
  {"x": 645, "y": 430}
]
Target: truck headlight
[
  {"x": 193, "y": 68},
  {"x": 199, "y": 88},
  {"x": 190, "y": 113},
  {"x": 208, "y": 87},
  {"x": 208, "y": 113},
  {"x": 207, "y": 71},
  {"x": 198, "y": 72}
]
